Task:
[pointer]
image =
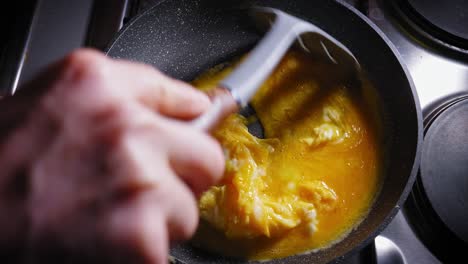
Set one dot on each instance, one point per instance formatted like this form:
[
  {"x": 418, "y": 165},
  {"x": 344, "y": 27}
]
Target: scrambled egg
[
  {"x": 244, "y": 206},
  {"x": 315, "y": 173}
]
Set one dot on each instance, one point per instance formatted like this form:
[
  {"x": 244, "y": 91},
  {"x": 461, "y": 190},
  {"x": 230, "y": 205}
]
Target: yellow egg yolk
[{"x": 312, "y": 178}]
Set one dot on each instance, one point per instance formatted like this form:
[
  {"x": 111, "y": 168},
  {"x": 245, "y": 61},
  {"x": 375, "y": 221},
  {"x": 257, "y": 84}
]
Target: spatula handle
[
  {"x": 245, "y": 80},
  {"x": 223, "y": 104}
]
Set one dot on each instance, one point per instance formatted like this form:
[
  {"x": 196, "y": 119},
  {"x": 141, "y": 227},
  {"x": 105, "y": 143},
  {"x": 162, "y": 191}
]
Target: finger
[
  {"x": 196, "y": 157},
  {"x": 166, "y": 95},
  {"x": 173, "y": 199},
  {"x": 137, "y": 163},
  {"x": 93, "y": 84},
  {"x": 140, "y": 165},
  {"x": 138, "y": 231},
  {"x": 139, "y": 169},
  {"x": 93, "y": 81},
  {"x": 182, "y": 211},
  {"x": 143, "y": 229}
]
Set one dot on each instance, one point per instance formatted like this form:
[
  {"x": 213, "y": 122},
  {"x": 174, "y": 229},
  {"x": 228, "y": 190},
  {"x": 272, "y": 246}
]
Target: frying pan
[{"x": 183, "y": 38}]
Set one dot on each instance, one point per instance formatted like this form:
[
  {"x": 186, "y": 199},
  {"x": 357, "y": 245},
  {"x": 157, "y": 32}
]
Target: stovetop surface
[{"x": 440, "y": 74}]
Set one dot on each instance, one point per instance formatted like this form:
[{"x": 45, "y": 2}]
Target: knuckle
[
  {"x": 138, "y": 233},
  {"x": 155, "y": 78},
  {"x": 85, "y": 65},
  {"x": 108, "y": 126},
  {"x": 82, "y": 85}
]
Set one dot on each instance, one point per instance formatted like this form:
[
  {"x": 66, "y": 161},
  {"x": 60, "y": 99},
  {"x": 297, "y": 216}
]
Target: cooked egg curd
[{"x": 312, "y": 178}]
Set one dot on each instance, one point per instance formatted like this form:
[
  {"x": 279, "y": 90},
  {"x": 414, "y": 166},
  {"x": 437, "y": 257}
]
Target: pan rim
[{"x": 418, "y": 112}]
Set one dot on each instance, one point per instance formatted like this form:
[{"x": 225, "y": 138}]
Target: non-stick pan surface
[{"x": 185, "y": 37}]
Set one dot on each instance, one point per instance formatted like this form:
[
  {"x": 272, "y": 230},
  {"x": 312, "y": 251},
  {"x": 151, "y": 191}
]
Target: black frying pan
[{"x": 185, "y": 37}]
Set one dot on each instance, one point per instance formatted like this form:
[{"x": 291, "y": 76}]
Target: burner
[
  {"x": 449, "y": 16},
  {"x": 438, "y": 204},
  {"x": 442, "y": 22}
]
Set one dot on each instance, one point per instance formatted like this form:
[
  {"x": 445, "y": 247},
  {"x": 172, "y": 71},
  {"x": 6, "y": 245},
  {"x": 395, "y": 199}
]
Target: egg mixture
[{"x": 309, "y": 181}]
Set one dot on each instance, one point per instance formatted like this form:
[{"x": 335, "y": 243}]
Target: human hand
[{"x": 98, "y": 165}]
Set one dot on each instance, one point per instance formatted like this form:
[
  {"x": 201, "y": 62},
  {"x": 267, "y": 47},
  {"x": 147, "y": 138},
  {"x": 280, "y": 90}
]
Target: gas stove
[{"x": 432, "y": 39}]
